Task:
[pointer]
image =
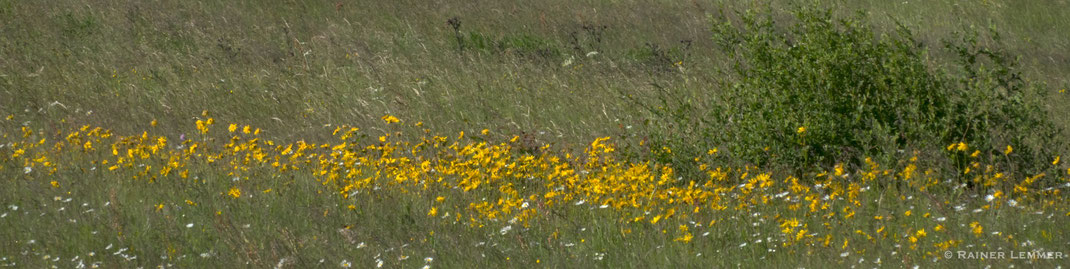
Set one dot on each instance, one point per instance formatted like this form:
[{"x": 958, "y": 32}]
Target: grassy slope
[
  {"x": 314, "y": 63},
  {"x": 294, "y": 67}
]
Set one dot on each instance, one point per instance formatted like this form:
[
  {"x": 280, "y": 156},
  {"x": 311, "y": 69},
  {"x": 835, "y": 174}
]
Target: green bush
[{"x": 813, "y": 90}]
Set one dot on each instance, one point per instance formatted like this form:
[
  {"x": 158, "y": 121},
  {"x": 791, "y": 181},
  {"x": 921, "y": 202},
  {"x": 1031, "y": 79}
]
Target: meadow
[{"x": 559, "y": 134}]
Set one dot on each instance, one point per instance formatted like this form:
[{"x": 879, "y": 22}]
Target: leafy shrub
[{"x": 814, "y": 90}]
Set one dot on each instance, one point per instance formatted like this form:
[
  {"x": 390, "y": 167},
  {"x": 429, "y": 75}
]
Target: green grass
[
  {"x": 298, "y": 69},
  {"x": 250, "y": 62}
]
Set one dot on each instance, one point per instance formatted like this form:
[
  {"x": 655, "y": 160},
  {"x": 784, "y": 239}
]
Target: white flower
[
  {"x": 361, "y": 245},
  {"x": 189, "y": 225},
  {"x": 27, "y": 170},
  {"x": 505, "y": 229},
  {"x": 346, "y": 264},
  {"x": 845, "y": 254},
  {"x": 989, "y": 198},
  {"x": 429, "y": 259},
  {"x": 378, "y": 263}
]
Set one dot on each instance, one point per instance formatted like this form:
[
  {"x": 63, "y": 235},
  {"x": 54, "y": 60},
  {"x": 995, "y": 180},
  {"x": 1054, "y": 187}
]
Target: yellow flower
[
  {"x": 1056, "y": 161},
  {"x": 962, "y": 146},
  {"x": 485, "y": 131},
  {"x": 907, "y": 213},
  {"x": 802, "y": 129},
  {"x": 232, "y": 128},
  {"x": 976, "y": 228},
  {"x": 55, "y": 184},
  {"x": 440, "y": 199},
  {"x": 153, "y": 123},
  {"x": 390, "y": 119},
  {"x": 433, "y": 212},
  {"x": 235, "y": 192},
  {"x": 1008, "y": 150}
]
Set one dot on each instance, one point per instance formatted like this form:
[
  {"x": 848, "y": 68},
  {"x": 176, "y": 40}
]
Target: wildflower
[
  {"x": 234, "y": 192},
  {"x": 1008, "y": 150},
  {"x": 232, "y": 128},
  {"x": 802, "y": 129},
  {"x": 976, "y": 228},
  {"x": 1056, "y": 161},
  {"x": 390, "y": 119},
  {"x": 433, "y": 212}
]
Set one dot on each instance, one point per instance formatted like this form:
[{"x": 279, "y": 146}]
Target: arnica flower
[
  {"x": 976, "y": 228},
  {"x": 390, "y": 119},
  {"x": 234, "y": 192},
  {"x": 960, "y": 146}
]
